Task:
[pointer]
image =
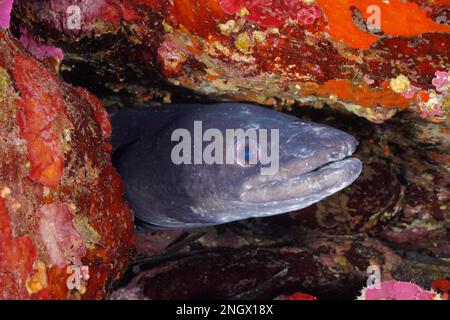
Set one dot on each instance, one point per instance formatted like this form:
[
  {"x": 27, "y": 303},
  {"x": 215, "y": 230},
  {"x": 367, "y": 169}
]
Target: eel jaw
[{"x": 301, "y": 190}]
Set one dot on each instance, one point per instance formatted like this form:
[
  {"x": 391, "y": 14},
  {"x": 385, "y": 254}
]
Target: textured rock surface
[
  {"x": 271, "y": 52},
  {"x": 324, "y": 267},
  {"x": 402, "y": 194},
  {"x": 60, "y": 198}
]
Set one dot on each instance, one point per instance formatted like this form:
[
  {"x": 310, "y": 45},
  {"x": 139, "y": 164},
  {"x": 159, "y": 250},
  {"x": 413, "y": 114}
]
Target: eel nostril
[{"x": 335, "y": 155}]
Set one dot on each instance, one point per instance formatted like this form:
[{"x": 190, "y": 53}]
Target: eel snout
[
  {"x": 317, "y": 168},
  {"x": 316, "y": 185}
]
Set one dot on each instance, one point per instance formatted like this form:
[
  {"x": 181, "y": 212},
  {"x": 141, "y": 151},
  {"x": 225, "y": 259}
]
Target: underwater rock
[
  {"x": 326, "y": 267},
  {"x": 402, "y": 194},
  {"x": 65, "y": 231},
  {"x": 397, "y": 290},
  {"x": 39, "y": 51},
  {"x": 371, "y": 57},
  {"x": 372, "y": 203},
  {"x": 5, "y": 13}
]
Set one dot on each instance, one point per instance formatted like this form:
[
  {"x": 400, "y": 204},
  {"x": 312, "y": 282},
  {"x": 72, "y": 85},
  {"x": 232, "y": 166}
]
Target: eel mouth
[{"x": 292, "y": 186}]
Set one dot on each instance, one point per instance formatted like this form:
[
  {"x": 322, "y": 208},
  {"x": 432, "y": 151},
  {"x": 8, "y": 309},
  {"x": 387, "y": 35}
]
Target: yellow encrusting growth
[
  {"x": 38, "y": 280},
  {"x": 400, "y": 84},
  {"x": 244, "y": 42}
]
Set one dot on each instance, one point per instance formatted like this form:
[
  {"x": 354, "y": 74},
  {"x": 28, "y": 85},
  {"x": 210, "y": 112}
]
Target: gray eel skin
[{"x": 314, "y": 163}]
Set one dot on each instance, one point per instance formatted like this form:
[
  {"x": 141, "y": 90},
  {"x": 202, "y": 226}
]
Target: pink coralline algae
[
  {"x": 435, "y": 103},
  {"x": 62, "y": 240},
  {"x": 397, "y": 290},
  {"x": 431, "y": 103},
  {"x": 442, "y": 81},
  {"x": 431, "y": 112},
  {"x": 309, "y": 15},
  {"x": 411, "y": 92},
  {"x": 37, "y": 49},
  {"x": 273, "y": 13},
  {"x": 171, "y": 57},
  {"x": 5, "y": 13},
  {"x": 368, "y": 80}
]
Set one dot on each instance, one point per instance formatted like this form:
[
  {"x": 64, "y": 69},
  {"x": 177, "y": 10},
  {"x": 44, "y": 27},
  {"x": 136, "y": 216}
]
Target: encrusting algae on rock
[
  {"x": 61, "y": 207},
  {"x": 341, "y": 53}
]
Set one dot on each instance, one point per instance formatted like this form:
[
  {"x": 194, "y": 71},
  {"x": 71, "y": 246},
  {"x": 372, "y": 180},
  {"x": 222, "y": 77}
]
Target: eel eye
[{"x": 247, "y": 153}]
